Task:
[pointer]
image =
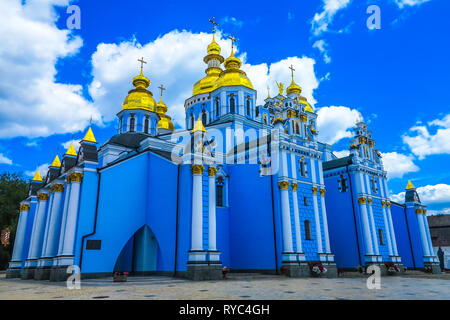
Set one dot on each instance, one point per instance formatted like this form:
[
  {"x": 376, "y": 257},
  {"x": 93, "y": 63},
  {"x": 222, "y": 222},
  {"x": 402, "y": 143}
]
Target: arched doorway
[{"x": 140, "y": 253}]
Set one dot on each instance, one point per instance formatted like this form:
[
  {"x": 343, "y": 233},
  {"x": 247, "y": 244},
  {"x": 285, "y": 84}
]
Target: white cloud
[
  {"x": 322, "y": 20},
  {"x": 66, "y": 145},
  {"x": 430, "y": 194},
  {"x": 322, "y": 46},
  {"x": 342, "y": 153},
  {"x": 5, "y": 160},
  {"x": 176, "y": 60},
  {"x": 334, "y": 123},
  {"x": 422, "y": 143},
  {"x": 42, "y": 170},
  {"x": 32, "y": 103},
  {"x": 397, "y": 164},
  {"x": 438, "y": 212},
  {"x": 409, "y": 3}
]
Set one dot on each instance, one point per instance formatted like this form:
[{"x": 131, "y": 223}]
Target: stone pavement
[{"x": 350, "y": 286}]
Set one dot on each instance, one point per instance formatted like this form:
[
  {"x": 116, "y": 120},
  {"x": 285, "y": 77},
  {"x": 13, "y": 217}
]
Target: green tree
[{"x": 13, "y": 189}]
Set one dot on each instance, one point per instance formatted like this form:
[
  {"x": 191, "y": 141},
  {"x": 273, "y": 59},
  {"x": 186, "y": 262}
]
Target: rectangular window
[
  {"x": 219, "y": 195},
  {"x": 380, "y": 235},
  {"x": 308, "y": 230},
  {"x": 305, "y": 201}
]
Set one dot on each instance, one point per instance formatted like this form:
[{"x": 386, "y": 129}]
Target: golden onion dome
[
  {"x": 213, "y": 47},
  {"x": 140, "y": 97},
  {"x": 294, "y": 88},
  {"x": 306, "y": 104},
  {"x": 232, "y": 75},
  {"x": 165, "y": 121}
]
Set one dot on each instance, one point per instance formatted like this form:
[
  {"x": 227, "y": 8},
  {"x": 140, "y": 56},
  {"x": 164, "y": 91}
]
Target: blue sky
[{"x": 53, "y": 80}]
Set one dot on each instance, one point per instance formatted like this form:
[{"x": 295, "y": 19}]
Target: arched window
[
  {"x": 120, "y": 124},
  {"x": 342, "y": 182},
  {"x": 308, "y": 230},
  {"x": 192, "y": 121},
  {"x": 146, "y": 124},
  {"x": 221, "y": 192},
  {"x": 302, "y": 169},
  {"x": 380, "y": 235},
  {"x": 132, "y": 123},
  {"x": 297, "y": 128},
  {"x": 257, "y": 112},
  {"x": 217, "y": 107},
  {"x": 232, "y": 104},
  {"x": 248, "y": 107},
  {"x": 204, "y": 118},
  {"x": 265, "y": 118}
]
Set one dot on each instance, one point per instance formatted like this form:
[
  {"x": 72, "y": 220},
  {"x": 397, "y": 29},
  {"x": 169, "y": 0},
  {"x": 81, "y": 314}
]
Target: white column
[
  {"x": 212, "y": 208},
  {"x": 423, "y": 236},
  {"x": 50, "y": 249},
  {"x": 197, "y": 208},
  {"x": 72, "y": 214},
  {"x": 325, "y": 221},
  {"x": 387, "y": 226},
  {"x": 298, "y": 235},
  {"x": 317, "y": 218},
  {"x": 372, "y": 220},
  {"x": 427, "y": 230},
  {"x": 62, "y": 231},
  {"x": 20, "y": 233},
  {"x": 286, "y": 217},
  {"x": 38, "y": 227},
  {"x": 46, "y": 226},
  {"x": 391, "y": 225}
]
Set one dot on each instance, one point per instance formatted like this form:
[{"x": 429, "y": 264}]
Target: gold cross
[
  {"x": 142, "y": 63},
  {"x": 161, "y": 87},
  {"x": 214, "y": 23},
  {"x": 233, "y": 40},
  {"x": 292, "y": 71}
]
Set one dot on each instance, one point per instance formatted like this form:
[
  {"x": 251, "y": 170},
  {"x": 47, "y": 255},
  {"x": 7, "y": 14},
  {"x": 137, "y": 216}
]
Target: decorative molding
[
  {"x": 283, "y": 185},
  {"x": 369, "y": 200},
  {"x": 43, "y": 196},
  {"x": 197, "y": 169},
  {"x": 212, "y": 171},
  {"x": 322, "y": 192},
  {"x": 388, "y": 204},
  {"x": 294, "y": 186},
  {"x": 75, "y": 177},
  {"x": 419, "y": 211},
  {"x": 383, "y": 203},
  {"x": 314, "y": 190},
  {"x": 57, "y": 188},
  {"x": 362, "y": 200}
]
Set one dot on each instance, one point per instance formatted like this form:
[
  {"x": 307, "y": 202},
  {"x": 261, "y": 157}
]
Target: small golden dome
[
  {"x": 294, "y": 88},
  {"x": 306, "y": 104},
  {"x": 165, "y": 121},
  {"x": 213, "y": 47}
]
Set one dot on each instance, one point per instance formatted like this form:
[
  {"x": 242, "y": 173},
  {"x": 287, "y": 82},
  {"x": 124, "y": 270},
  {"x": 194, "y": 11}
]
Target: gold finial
[
  {"x": 214, "y": 23},
  {"x": 268, "y": 92},
  {"x": 142, "y": 64},
  {"x": 89, "y": 137},
  {"x": 292, "y": 71},
  {"x": 56, "y": 163},
  {"x": 161, "y": 87},
  {"x": 37, "y": 177},
  {"x": 410, "y": 185},
  {"x": 233, "y": 40}
]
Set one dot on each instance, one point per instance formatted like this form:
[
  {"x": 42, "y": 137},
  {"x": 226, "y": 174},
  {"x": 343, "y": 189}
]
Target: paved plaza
[{"x": 248, "y": 286}]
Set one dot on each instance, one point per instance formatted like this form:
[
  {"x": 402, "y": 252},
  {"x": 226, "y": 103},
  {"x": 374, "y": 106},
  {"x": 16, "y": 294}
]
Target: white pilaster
[
  {"x": 50, "y": 249},
  {"x": 317, "y": 218},
  {"x": 391, "y": 225},
  {"x": 388, "y": 230},
  {"x": 325, "y": 221},
  {"x": 427, "y": 230},
  {"x": 366, "y": 228},
  {"x": 38, "y": 228},
  {"x": 20, "y": 233},
  {"x": 197, "y": 208},
  {"x": 63, "y": 220},
  {"x": 212, "y": 208},
  {"x": 423, "y": 236},
  {"x": 286, "y": 217}
]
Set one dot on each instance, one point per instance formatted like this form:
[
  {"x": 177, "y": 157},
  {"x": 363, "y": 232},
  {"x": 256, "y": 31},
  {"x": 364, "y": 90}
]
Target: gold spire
[
  {"x": 71, "y": 151},
  {"x": 56, "y": 163},
  {"x": 233, "y": 76},
  {"x": 89, "y": 137},
  {"x": 293, "y": 88},
  {"x": 268, "y": 92},
  {"x": 198, "y": 126},
  {"x": 37, "y": 177},
  {"x": 213, "y": 60},
  {"x": 140, "y": 97},
  {"x": 410, "y": 185}
]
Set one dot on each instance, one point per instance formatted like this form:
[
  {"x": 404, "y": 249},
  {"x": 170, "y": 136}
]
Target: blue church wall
[
  {"x": 251, "y": 219},
  {"x": 416, "y": 241},
  {"x": 402, "y": 235},
  {"x": 377, "y": 210},
  {"x": 223, "y": 234},
  {"x": 307, "y": 213},
  {"x": 343, "y": 235},
  {"x": 184, "y": 217}
]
